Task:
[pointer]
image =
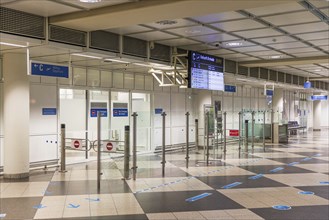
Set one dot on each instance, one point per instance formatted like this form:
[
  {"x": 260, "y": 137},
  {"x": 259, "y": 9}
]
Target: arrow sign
[
  {"x": 195, "y": 198},
  {"x": 40, "y": 206},
  {"x": 93, "y": 200},
  {"x": 231, "y": 185},
  {"x": 307, "y": 158},
  {"x": 324, "y": 182},
  {"x": 276, "y": 169},
  {"x": 73, "y": 206},
  {"x": 293, "y": 163},
  {"x": 256, "y": 177},
  {"x": 317, "y": 155}
]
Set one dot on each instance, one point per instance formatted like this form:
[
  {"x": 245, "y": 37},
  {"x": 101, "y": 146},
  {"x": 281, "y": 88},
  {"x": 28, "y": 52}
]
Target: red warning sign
[
  {"x": 234, "y": 133},
  {"x": 76, "y": 144},
  {"x": 109, "y": 146}
]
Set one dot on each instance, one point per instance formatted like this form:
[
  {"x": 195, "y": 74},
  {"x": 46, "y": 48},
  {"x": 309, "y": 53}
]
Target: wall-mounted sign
[
  {"x": 234, "y": 133},
  {"x": 229, "y": 88},
  {"x": 319, "y": 97},
  {"x": 158, "y": 111},
  {"x": 307, "y": 85},
  {"x": 96, "y": 107},
  {"x": 49, "y": 111},
  {"x": 269, "y": 92},
  {"x": 120, "y": 109},
  {"x": 45, "y": 69}
]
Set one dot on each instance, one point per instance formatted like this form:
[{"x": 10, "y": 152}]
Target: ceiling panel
[
  {"x": 271, "y": 40},
  {"x": 295, "y": 44},
  {"x": 178, "y": 42},
  {"x": 129, "y": 30},
  {"x": 197, "y": 47},
  {"x": 192, "y": 31},
  {"x": 315, "y": 35},
  {"x": 166, "y": 24},
  {"x": 299, "y": 50},
  {"x": 309, "y": 54},
  {"x": 42, "y": 8},
  {"x": 219, "y": 17},
  {"x": 279, "y": 8},
  {"x": 98, "y": 4},
  {"x": 250, "y": 49},
  {"x": 246, "y": 59},
  {"x": 266, "y": 53},
  {"x": 236, "y": 55},
  {"x": 323, "y": 42},
  {"x": 245, "y": 24},
  {"x": 266, "y": 32},
  {"x": 220, "y": 52},
  {"x": 153, "y": 36},
  {"x": 306, "y": 28},
  {"x": 325, "y": 11},
  {"x": 317, "y": 3},
  {"x": 292, "y": 18},
  {"x": 215, "y": 37}
]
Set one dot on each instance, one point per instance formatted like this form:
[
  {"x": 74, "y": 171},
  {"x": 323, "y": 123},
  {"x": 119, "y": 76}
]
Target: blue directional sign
[
  {"x": 229, "y": 88},
  {"x": 43, "y": 69},
  {"x": 195, "y": 198},
  {"x": 49, "y": 111},
  {"x": 120, "y": 112},
  {"x": 319, "y": 97},
  {"x": 158, "y": 111},
  {"x": 269, "y": 92},
  {"x": 281, "y": 207}
]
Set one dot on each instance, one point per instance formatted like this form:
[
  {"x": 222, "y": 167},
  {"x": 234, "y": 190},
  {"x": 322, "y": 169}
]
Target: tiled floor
[{"x": 244, "y": 186}]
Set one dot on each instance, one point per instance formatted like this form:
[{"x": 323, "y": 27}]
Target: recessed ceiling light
[
  {"x": 317, "y": 70},
  {"x": 90, "y": 1},
  {"x": 275, "y": 57},
  {"x": 166, "y": 22},
  {"x": 233, "y": 44}
]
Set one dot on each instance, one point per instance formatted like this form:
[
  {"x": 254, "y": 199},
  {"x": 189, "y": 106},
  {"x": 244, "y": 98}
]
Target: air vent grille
[
  {"x": 133, "y": 46},
  {"x": 263, "y": 73},
  {"x": 281, "y": 77},
  {"x": 66, "y": 35},
  {"x": 295, "y": 80},
  {"x": 301, "y": 80},
  {"x": 21, "y": 23},
  {"x": 242, "y": 70},
  {"x": 254, "y": 72},
  {"x": 160, "y": 52},
  {"x": 104, "y": 40},
  {"x": 273, "y": 75},
  {"x": 230, "y": 66},
  {"x": 288, "y": 78}
]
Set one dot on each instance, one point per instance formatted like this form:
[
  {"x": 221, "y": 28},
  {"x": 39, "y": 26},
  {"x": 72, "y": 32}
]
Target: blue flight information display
[{"x": 205, "y": 72}]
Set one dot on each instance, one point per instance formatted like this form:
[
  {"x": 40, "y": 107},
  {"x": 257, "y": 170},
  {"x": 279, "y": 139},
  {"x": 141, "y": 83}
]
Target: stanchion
[
  {"x": 246, "y": 135},
  {"x": 240, "y": 132},
  {"x": 187, "y": 139},
  {"x": 127, "y": 153},
  {"x": 98, "y": 152},
  {"x": 224, "y": 133},
  {"x": 196, "y": 134},
  {"x": 207, "y": 134},
  {"x": 63, "y": 160},
  {"x": 252, "y": 130},
  {"x": 264, "y": 130},
  {"x": 272, "y": 121},
  {"x": 87, "y": 144},
  {"x": 163, "y": 162},
  {"x": 134, "y": 168}
]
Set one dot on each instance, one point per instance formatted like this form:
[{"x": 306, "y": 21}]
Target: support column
[
  {"x": 277, "y": 104},
  {"x": 16, "y": 116},
  {"x": 317, "y": 115}
]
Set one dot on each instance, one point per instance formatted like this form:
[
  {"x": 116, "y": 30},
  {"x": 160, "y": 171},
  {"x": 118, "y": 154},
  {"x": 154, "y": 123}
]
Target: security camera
[
  {"x": 151, "y": 45},
  {"x": 217, "y": 44}
]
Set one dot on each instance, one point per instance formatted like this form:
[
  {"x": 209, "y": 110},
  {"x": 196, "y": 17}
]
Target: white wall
[
  {"x": 1, "y": 123},
  {"x": 325, "y": 113}
]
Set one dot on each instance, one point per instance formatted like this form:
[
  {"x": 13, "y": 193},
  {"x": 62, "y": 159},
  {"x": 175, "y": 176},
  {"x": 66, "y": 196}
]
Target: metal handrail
[{"x": 79, "y": 139}]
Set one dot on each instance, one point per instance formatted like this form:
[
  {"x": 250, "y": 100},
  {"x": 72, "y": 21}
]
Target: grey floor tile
[
  {"x": 267, "y": 169},
  {"x": 321, "y": 191},
  {"x": 19, "y": 208},
  {"x": 157, "y": 172}
]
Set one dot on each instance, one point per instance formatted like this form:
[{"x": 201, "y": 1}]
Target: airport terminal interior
[{"x": 164, "y": 109}]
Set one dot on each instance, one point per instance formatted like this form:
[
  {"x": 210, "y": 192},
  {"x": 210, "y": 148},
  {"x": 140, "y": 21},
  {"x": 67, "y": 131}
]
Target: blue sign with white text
[
  {"x": 229, "y": 88},
  {"x": 42, "y": 69},
  {"x": 158, "y": 111},
  {"x": 269, "y": 92},
  {"x": 307, "y": 85},
  {"x": 319, "y": 97},
  {"x": 120, "y": 112},
  {"x": 49, "y": 111},
  {"x": 94, "y": 112}
]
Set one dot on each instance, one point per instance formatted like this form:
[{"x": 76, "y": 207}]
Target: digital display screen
[{"x": 205, "y": 72}]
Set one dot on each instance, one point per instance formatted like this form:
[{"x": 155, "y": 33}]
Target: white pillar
[
  {"x": 277, "y": 105},
  {"x": 317, "y": 116},
  {"x": 16, "y": 115},
  {"x": 203, "y": 98}
]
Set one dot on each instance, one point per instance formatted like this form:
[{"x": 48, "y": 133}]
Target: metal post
[
  {"x": 86, "y": 124},
  {"x": 207, "y": 133},
  {"x": 196, "y": 134},
  {"x": 163, "y": 143},
  {"x": 224, "y": 132},
  {"x": 187, "y": 139},
  {"x": 272, "y": 118},
  {"x": 98, "y": 152},
  {"x": 252, "y": 129},
  {"x": 240, "y": 131},
  {"x": 127, "y": 152},
  {"x": 246, "y": 135},
  {"x": 134, "y": 168},
  {"x": 62, "y": 170},
  {"x": 264, "y": 130}
]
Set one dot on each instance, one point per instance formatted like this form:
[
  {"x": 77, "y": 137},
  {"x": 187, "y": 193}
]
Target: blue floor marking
[
  {"x": 40, "y": 206},
  {"x": 73, "y": 206},
  {"x": 306, "y": 193},
  {"x": 256, "y": 177},
  {"x": 307, "y": 159},
  {"x": 317, "y": 155},
  {"x": 276, "y": 169},
  {"x": 93, "y": 200},
  {"x": 293, "y": 163},
  {"x": 281, "y": 207},
  {"x": 231, "y": 185},
  {"x": 195, "y": 198}
]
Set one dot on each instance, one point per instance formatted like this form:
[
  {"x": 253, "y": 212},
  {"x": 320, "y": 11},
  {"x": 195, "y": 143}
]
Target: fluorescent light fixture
[
  {"x": 233, "y": 44},
  {"x": 85, "y": 55},
  {"x": 114, "y": 60},
  {"x": 317, "y": 70},
  {"x": 142, "y": 64},
  {"x": 183, "y": 87},
  {"x": 275, "y": 57},
  {"x": 90, "y": 1},
  {"x": 13, "y": 45},
  {"x": 155, "y": 71}
]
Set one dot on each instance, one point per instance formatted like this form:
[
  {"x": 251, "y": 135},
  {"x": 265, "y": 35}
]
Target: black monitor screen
[{"x": 205, "y": 71}]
